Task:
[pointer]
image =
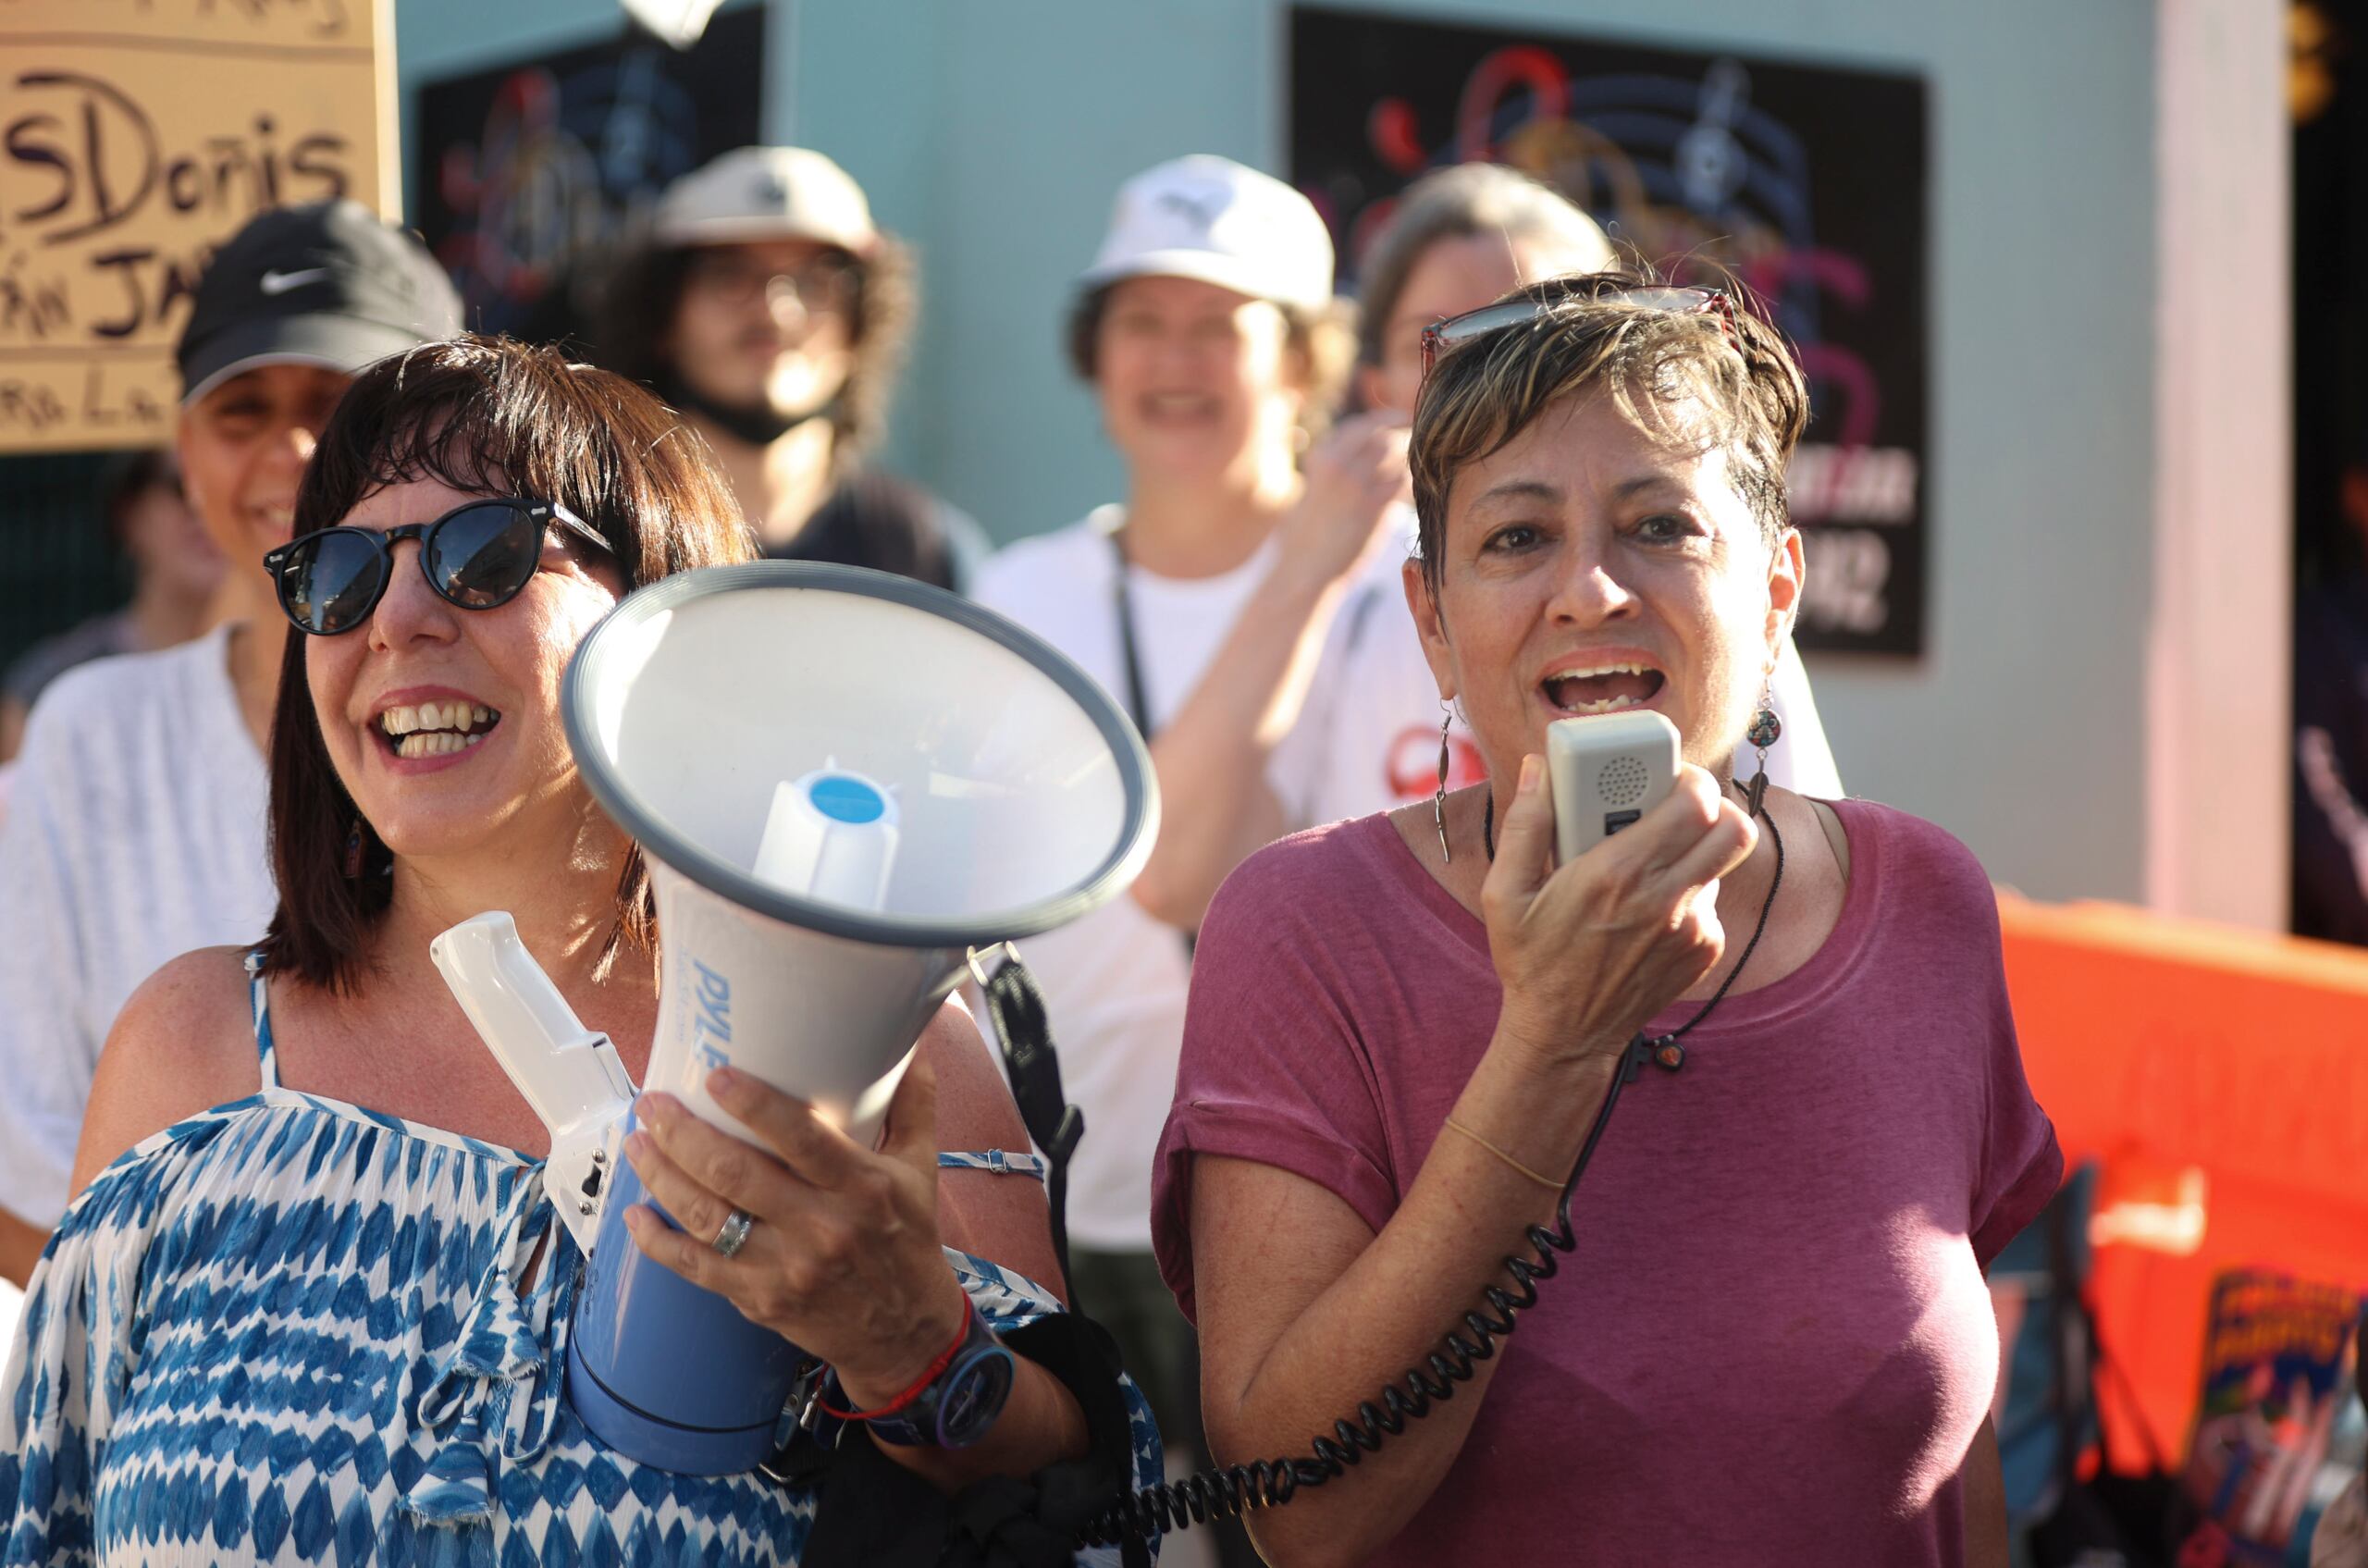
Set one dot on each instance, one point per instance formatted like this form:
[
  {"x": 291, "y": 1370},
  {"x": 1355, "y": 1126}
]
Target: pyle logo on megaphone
[
  {"x": 826, "y": 853},
  {"x": 711, "y": 1030}
]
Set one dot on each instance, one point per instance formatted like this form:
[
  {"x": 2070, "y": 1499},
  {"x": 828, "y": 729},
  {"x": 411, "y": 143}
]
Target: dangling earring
[
  {"x": 1765, "y": 728},
  {"x": 353, "y": 850},
  {"x": 1438, "y": 800}
]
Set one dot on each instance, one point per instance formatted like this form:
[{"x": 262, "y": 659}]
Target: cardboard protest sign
[{"x": 135, "y": 136}]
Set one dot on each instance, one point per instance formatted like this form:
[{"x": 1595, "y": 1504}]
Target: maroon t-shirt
[{"x": 1773, "y": 1344}]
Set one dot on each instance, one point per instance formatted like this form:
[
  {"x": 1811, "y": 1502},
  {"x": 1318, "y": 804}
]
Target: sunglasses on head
[
  {"x": 1441, "y": 336},
  {"x": 478, "y": 556}
]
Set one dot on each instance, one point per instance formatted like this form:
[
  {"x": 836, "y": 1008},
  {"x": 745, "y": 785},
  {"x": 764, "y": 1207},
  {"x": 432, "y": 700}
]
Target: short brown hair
[
  {"x": 476, "y": 414},
  {"x": 1322, "y": 339},
  {"x": 1488, "y": 390},
  {"x": 637, "y": 296}
]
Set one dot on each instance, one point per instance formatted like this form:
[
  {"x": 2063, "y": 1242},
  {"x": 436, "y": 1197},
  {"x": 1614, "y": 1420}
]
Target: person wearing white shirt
[
  {"x": 135, "y": 827},
  {"x": 1203, "y": 602}
]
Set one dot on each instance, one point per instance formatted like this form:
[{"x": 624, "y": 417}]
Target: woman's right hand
[
  {"x": 1587, "y": 953},
  {"x": 1355, "y": 476}
]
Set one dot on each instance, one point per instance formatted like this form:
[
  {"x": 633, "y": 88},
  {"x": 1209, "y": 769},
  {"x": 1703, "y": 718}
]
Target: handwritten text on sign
[{"x": 136, "y": 136}]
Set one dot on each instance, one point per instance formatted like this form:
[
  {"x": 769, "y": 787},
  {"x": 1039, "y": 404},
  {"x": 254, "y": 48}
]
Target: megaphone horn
[{"x": 844, "y": 784}]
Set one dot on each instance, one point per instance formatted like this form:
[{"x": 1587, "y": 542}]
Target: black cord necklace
[{"x": 1666, "y": 1053}]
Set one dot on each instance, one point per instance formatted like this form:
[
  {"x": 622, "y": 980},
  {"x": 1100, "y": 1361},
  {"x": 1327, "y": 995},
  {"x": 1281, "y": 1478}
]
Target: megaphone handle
[{"x": 1023, "y": 1028}]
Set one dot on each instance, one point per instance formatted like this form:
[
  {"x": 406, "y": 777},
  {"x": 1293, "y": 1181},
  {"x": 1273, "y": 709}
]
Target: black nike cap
[{"x": 328, "y": 283}]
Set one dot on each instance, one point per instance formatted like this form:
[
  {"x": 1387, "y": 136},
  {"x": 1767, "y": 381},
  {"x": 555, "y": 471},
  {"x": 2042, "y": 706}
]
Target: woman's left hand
[{"x": 842, "y": 1259}]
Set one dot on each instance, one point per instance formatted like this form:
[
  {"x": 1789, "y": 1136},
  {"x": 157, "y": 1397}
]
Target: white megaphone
[{"x": 844, "y": 784}]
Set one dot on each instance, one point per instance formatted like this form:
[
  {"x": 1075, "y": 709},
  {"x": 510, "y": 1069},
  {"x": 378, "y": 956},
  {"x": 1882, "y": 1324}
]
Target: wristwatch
[{"x": 957, "y": 1407}]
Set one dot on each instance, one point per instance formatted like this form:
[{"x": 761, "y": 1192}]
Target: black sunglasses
[{"x": 478, "y": 556}]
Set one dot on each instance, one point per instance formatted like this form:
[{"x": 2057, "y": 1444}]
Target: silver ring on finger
[{"x": 734, "y": 1233}]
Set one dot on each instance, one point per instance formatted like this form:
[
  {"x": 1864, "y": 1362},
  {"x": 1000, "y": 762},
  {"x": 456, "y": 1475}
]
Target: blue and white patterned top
[{"x": 290, "y": 1330}]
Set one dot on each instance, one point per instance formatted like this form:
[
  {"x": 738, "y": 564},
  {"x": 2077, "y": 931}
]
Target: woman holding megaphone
[
  {"x": 312, "y": 1302},
  {"x": 1770, "y": 1343}
]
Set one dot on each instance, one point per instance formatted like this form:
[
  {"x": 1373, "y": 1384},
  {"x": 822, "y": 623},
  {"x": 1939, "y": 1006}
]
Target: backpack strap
[{"x": 1023, "y": 1027}]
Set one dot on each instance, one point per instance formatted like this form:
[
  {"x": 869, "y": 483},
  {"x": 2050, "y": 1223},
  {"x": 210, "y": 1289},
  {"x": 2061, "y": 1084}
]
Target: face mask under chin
[{"x": 758, "y": 424}]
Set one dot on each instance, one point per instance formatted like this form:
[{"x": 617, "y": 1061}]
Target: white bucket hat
[
  {"x": 1212, "y": 220},
  {"x": 756, "y": 193}
]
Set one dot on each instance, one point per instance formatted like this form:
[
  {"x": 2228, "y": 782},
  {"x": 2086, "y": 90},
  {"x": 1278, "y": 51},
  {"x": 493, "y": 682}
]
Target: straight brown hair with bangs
[
  {"x": 493, "y": 417},
  {"x": 1487, "y": 389}
]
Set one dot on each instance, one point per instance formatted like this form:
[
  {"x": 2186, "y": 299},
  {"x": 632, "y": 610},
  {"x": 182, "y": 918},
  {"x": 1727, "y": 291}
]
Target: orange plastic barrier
[{"x": 2221, "y": 1076}]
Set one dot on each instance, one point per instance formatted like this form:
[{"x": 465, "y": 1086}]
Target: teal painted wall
[{"x": 993, "y": 135}]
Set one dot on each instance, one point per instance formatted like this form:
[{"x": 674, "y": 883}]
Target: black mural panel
[
  {"x": 524, "y": 172},
  {"x": 1810, "y": 181}
]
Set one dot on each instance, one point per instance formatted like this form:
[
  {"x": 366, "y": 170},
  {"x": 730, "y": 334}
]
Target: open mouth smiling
[
  {"x": 435, "y": 729},
  {"x": 1602, "y": 688}
]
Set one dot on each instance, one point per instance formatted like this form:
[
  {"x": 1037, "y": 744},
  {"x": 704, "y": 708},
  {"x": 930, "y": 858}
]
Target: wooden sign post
[{"x": 135, "y": 137}]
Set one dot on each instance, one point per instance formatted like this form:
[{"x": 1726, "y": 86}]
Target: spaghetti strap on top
[{"x": 262, "y": 1005}]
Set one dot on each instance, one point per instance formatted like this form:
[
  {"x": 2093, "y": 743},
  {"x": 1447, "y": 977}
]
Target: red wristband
[{"x": 929, "y": 1374}]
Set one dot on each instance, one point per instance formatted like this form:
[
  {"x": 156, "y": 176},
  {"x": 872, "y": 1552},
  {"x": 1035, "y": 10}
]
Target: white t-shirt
[
  {"x": 1114, "y": 980},
  {"x": 135, "y": 833},
  {"x": 1368, "y": 739}
]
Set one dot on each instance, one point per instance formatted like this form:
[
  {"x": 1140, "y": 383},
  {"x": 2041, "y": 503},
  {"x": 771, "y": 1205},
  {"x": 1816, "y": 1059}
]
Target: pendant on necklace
[{"x": 1667, "y": 1055}]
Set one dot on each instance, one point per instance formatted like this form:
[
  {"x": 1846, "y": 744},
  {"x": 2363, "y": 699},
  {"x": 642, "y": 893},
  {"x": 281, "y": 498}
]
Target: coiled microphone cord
[{"x": 1230, "y": 1491}]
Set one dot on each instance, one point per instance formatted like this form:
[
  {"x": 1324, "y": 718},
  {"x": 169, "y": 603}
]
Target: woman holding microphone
[{"x": 1772, "y": 1344}]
